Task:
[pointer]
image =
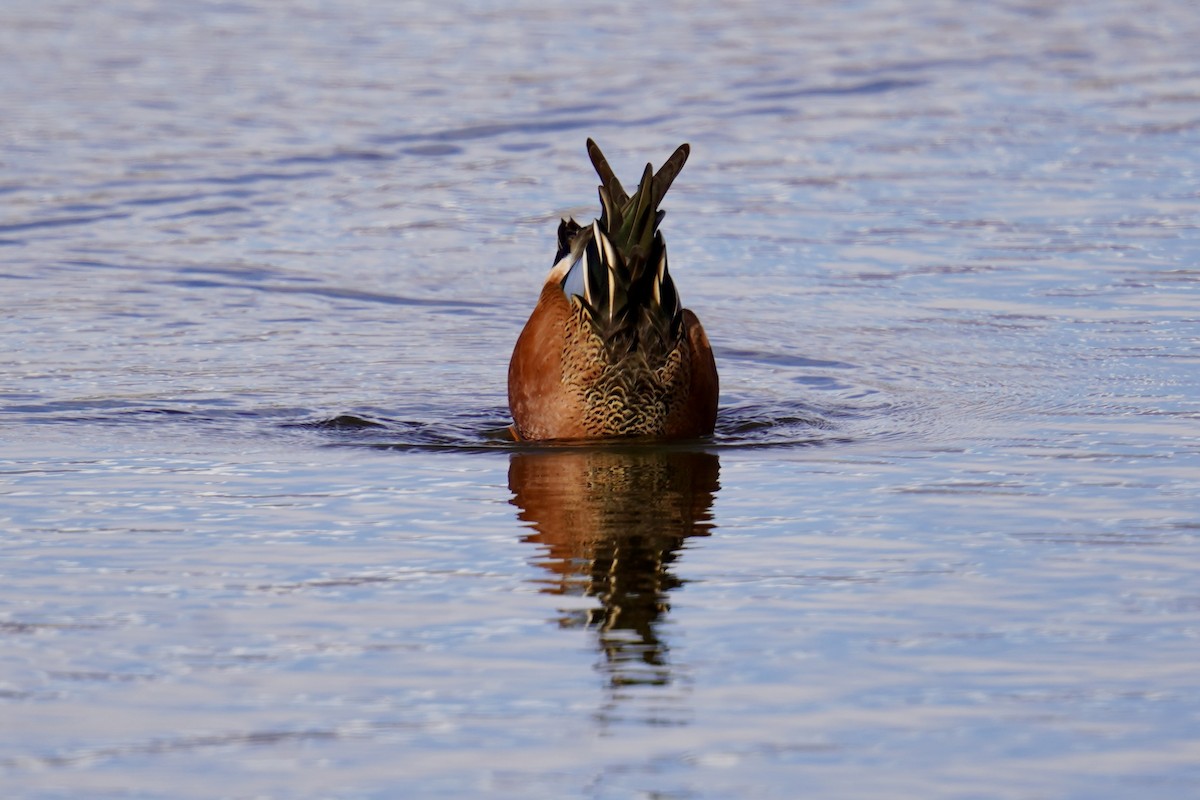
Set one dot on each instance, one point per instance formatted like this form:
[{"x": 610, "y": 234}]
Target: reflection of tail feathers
[
  {"x": 612, "y": 524},
  {"x": 631, "y": 579},
  {"x": 630, "y": 608}
]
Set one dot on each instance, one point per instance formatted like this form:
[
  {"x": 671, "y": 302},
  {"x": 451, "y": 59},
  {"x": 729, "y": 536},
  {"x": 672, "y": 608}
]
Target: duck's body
[{"x": 609, "y": 351}]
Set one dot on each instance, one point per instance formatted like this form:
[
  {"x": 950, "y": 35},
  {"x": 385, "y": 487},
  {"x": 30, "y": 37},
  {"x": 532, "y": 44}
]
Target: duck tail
[{"x": 630, "y": 291}]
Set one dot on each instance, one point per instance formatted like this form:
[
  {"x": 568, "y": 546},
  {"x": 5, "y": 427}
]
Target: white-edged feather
[
  {"x": 587, "y": 277},
  {"x": 608, "y": 255},
  {"x": 612, "y": 289},
  {"x": 658, "y": 279}
]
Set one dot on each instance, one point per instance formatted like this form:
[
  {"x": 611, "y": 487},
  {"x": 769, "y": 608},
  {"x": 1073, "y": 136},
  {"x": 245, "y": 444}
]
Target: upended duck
[{"x": 609, "y": 351}]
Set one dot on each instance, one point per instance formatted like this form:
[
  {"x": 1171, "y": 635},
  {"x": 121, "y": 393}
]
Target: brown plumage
[{"x": 609, "y": 350}]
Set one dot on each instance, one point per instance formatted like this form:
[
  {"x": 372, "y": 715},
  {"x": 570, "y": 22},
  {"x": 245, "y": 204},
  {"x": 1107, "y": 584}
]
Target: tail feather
[
  {"x": 667, "y": 172},
  {"x": 613, "y": 196},
  {"x": 638, "y": 226},
  {"x": 628, "y": 290}
]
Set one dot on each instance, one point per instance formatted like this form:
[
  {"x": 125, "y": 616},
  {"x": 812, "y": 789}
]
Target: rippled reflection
[{"x": 610, "y": 523}]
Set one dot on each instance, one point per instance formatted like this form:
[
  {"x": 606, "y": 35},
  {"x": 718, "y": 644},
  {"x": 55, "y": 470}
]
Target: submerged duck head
[{"x": 609, "y": 350}]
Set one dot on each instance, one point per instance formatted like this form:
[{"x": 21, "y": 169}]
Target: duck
[{"x": 609, "y": 351}]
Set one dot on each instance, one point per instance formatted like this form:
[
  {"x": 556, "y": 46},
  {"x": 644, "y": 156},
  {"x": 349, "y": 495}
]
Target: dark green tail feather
[{"x": 627, "y": 315}]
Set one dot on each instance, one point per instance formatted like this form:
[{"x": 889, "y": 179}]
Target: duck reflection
[{"x": 611, "y": 522}]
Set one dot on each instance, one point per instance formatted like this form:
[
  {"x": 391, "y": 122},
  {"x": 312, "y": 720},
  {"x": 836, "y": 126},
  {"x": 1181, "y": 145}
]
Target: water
[{"x": 262, "y": 268}]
